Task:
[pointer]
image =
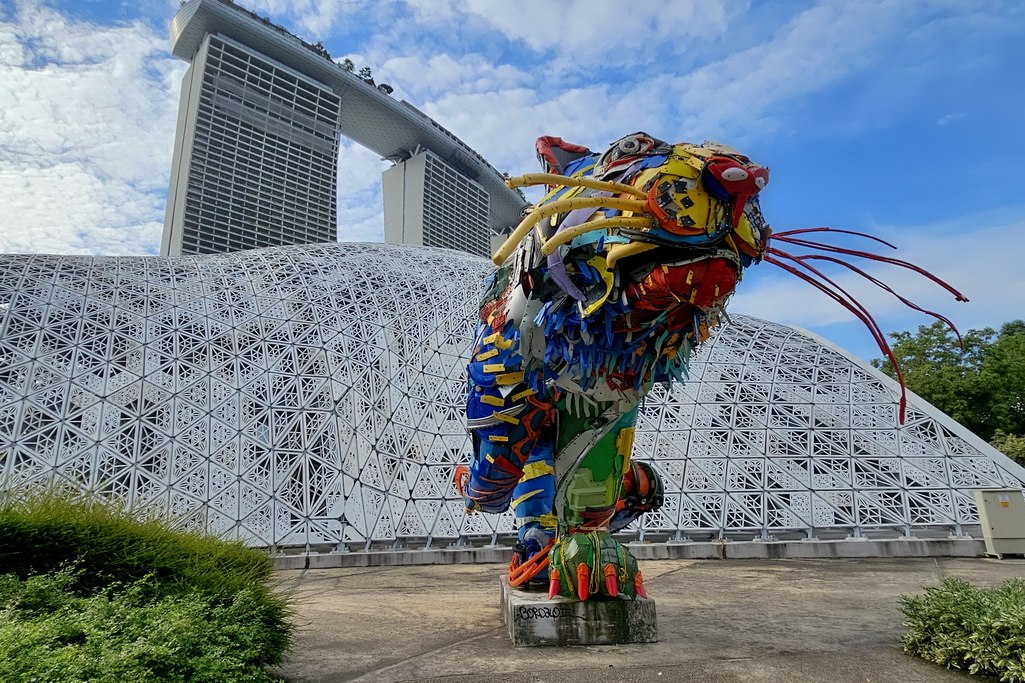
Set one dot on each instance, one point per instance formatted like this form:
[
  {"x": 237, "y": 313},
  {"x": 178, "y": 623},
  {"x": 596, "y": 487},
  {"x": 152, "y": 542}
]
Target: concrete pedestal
[{"x": 534, "y": 620}]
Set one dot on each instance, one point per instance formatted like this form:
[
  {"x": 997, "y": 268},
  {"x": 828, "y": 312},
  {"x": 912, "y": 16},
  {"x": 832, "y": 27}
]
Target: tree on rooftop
[{"x": 319, "y": 48}]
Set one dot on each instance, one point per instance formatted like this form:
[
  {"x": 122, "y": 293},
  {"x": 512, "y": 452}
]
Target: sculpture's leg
[
  {"x": 507, "y": 413},
  {"x": 532, "y": 501},
  {"x": 643, "y": 491},
  {"x": 592, "y": 453}
]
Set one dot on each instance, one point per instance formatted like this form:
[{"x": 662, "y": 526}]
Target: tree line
[{"x": 979, "y": 382}]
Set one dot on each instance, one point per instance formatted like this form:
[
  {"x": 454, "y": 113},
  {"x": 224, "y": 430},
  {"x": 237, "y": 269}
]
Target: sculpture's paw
[
  {"x": 589, "y": 565},
  {"x": 460, "y": 478}
]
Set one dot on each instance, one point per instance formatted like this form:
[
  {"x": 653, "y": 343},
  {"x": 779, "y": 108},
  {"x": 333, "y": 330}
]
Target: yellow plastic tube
[
  {"x": 585, "y": 181},
  {"x": 568, "y": 234},
  {"x": 618, "y": 251},
  {"x": 560, "y": 206}
]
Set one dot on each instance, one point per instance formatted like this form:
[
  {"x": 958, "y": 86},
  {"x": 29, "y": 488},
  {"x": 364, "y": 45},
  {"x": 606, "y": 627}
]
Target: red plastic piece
[
  {"x": 543, "y": 145},
  {"x": 611, "y": 582},
  {"x": 799, "y": 265},
  {"x": 701, "y": 284},
  {"x": 583, "y": 581},
  {"x": 553, "y": 583},
  {"x": 460, "y": 478},
  {"x": 520, "y": 574},
  {"x": 741, "y": 181},
  {"x": 639, "y": 586}
]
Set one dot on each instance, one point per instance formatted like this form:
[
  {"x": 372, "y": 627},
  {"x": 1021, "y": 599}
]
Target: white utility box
[{"x": 1002, "y": 515}]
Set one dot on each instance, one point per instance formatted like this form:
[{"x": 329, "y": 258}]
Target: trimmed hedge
[
  {"x": 88, "y": 592},
  {"x": 40, "y": 533},
  {"x": 978, "y": 630}
]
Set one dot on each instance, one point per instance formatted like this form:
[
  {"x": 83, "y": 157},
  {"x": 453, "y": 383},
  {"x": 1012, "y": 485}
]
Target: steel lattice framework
[{"x": 313, "y": 395}]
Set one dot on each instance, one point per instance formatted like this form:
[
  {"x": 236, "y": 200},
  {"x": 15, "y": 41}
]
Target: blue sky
[{"x": 895, "y": 117}]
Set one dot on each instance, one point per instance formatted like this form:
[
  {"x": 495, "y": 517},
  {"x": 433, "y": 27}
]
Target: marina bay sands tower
[{"x": 256, "y": 147}]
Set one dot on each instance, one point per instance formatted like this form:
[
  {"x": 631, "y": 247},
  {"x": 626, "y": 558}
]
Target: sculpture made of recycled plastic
[{"x": 604, "y": 290}]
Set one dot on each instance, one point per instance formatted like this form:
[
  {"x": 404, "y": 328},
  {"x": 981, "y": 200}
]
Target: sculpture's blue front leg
[
  {"x": 532, "y": 503},
  {"x": 508, "y": 413}
]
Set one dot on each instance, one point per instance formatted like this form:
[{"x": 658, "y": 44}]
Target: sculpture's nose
[{"x": 728, "y": 180}]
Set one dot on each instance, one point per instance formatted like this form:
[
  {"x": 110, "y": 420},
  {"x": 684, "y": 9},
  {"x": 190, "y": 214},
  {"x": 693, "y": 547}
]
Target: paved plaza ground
[{"x": 734, "y": 620}]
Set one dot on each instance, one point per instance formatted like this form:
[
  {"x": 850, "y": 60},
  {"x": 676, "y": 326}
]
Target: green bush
[
  {"x": 90, "y": 593},
  {"x": 43, "y": 532},
  {"x": 979, "y": 630},
  {"x": 124, "y": 634}
]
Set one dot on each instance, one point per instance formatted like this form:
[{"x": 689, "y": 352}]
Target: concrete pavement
[{"x": 733, "y": 620}]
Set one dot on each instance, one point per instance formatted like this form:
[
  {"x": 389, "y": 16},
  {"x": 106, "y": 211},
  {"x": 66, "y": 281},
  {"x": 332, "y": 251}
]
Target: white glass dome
[{"x": 313, "y": 395}]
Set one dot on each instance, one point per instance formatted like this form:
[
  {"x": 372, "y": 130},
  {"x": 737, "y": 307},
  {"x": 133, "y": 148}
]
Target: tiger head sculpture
[{"x": 667, "y": 230}]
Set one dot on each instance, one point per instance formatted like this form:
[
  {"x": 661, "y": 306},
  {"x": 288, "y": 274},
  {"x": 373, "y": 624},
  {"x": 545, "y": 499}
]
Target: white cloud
[
  {"x": 503, "y": 125},
  {"x": 12, "y": 54},
  {"x": 607, "y": 31},
  {"x": 85, "y": 134},
  {"x": 360, "y": 203},
  {"x": 311, "y": 20},
  {"x": 816, "y": 48},
  {"x": 499, "y": 111},
  {"x": 421, "y": 77}
]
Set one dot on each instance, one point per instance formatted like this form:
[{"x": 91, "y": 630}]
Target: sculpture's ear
[{"x": 555, "y": 154}]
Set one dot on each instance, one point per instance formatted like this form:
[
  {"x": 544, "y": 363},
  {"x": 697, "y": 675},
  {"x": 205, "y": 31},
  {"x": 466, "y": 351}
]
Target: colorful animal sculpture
[{"x": 605, "y": 288}]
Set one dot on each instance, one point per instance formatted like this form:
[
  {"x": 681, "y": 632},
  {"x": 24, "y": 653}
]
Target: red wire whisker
[
  {"x": 804, "y": 231},
  {"x": 841, "y": 296},
  {"x": 885, "y": 287},
  {"x": 872, "y": 257}
]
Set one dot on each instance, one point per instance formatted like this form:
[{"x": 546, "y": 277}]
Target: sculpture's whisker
[
  {"x": 782, "y": 237},
  {"x": 882, "y": 285},
  {"x": 567, "y": 235},
  {"x": 841, "y": 296},
  {"x": 560, "y": 206},
  {"x": 804, "y": 231}
]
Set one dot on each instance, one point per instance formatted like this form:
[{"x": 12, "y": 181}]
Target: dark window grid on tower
[
  {"x": 224, "y": 226},
  {"x": 285, "y": 85},
  {"x": 301, "y": 187},
  {"x": 249, "y": 141},
  {"x": 236, "y": 135},
  {"x": 276, "y": 93},
  {"x": 449, "y": 226},
  {"x": 262, "y": 103},
  {"x": 254, "y": 127},
  {"x": 228, "y": 197},
  {"x": 265, "y": 155},
  {"x": 441, "y": 213},
  {"x": 455, "y": 210}
]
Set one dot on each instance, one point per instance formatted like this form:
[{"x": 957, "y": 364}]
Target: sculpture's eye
[
  {"x": 760, "y": 175},
  {"x": 735, "y": 174},
  {"x": 635, "y": 144},
  {"x": 629, "y": 145}
]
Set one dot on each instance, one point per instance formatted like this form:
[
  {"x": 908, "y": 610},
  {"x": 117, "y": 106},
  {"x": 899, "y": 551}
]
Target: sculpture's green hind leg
[{"x": 592, "y": 452}]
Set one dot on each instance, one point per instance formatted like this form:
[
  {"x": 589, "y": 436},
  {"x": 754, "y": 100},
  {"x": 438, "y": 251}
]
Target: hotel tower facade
[{"x": 256, "y": 148}]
